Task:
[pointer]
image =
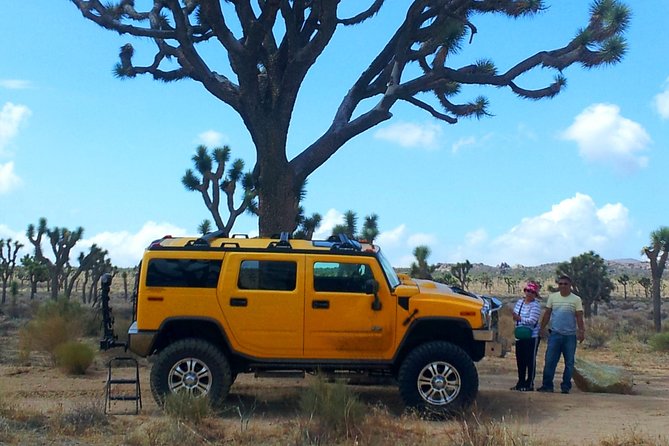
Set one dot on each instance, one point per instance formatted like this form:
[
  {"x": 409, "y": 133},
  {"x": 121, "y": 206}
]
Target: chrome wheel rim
[
  {"x": 439, "y": 383},
  {"x": 190, "y": 375}
]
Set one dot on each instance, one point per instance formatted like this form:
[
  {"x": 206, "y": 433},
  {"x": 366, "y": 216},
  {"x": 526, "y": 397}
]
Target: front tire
[
  {"x": 438, "y": 378},
  {"x": 194, "y": 366}
]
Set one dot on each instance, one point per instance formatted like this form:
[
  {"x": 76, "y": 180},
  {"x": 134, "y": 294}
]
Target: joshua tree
[
  {"x": 657, "y": 253},
  {"x": 35, "y": 272},
  {"x": 307, "y": 226},
  {"x": 420, "y": 269},
  {"x": 511, "y": 284},
  {"x": 8, "y": 263},
  {"x": 86, "y": 263},
  {"x": 349, "y": 227},
  {"x": 211, "y": 183},
  {"x": 646, "y": 284},
  {"x": 204, "y": 227},
  {"x": 624, "y": 279},
  {"x": 271, "y": 47},
  {"x": 590, "y": 280},
  {"x": 61, "y": 240},
  {"x": 370, "y": 230},
  {"x": 461, "y": 271}
]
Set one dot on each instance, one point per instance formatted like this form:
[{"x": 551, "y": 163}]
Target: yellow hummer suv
[{"x": 210, "y": 308}]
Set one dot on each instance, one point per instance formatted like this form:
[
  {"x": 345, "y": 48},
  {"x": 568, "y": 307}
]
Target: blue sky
[{"x": 538, "y": 182}]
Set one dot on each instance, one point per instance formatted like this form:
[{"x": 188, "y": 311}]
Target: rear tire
[
  {"x": 194, "y": 366},
  {"x": 438, "y": 378}
]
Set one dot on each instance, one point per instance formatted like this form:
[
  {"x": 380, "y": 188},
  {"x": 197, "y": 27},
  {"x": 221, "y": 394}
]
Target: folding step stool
[{"x": 125, "y": 388}]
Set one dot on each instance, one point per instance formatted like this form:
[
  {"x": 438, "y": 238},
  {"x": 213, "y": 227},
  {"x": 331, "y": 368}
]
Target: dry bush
[
  {"x": 474, "y": 432},
  {"x": 56, "y": 322},
  {"x": 14, "y": 421},
  {"x": 634, "y": 325},
  {"x": 74, "y": 357},
  {"x": 165, "y": 432},
  {"x": 634, "y": 438},
  {"x": 336, "y": 410},
  {"x": 182, "y": 406},
  {"x": 659, "y": 342},
  {"x": 86, "y": 417},
  {"x": 600, "y": 331}
]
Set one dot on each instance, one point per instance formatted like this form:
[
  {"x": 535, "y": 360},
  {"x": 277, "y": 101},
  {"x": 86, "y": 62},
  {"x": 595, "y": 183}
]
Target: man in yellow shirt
[{"x": 564, "y": 311}]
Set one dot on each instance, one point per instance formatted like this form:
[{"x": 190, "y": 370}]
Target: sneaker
[
  {"x": 545, "y": 389},
  {"x": 565, "y": 391},
  {"x": 526, "y": 389}
]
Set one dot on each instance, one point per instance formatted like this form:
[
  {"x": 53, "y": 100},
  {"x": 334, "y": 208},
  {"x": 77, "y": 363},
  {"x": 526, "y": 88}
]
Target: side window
[
  {"x": 191, "y": 273},
  {"x": 341, "y": 277},
  {"x": 267, "y": 275}
]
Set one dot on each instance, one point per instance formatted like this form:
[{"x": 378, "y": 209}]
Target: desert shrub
[
  {"x": 633, "y": 438},
  {"x": 183, "y": 406},
  {"x": 600, "y": 331},
  {"x": 660, "y": 342},
  {"x": 74, "y": 357},
  {"x": 474, "y": 432},
  {"x": 55, "y": 322},
  {"x": 163, "y": 432},
  {"x": 635, "y": 325},
  {"x": 82, "y": 418},
  {"x": 336, "y": 409}
]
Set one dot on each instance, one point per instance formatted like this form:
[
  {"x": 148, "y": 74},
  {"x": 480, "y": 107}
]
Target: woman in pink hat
[{"x": 526, "y": 314}]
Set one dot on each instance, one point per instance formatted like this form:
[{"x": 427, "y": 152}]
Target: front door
[{"x": 339, "y": 321}]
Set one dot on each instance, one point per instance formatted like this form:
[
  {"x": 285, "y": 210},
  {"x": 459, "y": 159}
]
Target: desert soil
[{"x": 574, "y": 419}]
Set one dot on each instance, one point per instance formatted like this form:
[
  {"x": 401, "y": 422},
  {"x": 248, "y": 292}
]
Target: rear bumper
[
  {"x": 140, "y": 342},
  {"x": 484, "y": 335}
]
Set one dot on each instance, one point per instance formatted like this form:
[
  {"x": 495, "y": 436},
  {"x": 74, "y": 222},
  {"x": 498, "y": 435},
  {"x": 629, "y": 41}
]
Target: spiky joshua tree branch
[{"x": 272, "y": 45}]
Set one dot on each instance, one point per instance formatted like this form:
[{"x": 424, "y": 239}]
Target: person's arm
[
  {"x": 544, "y": 320},
  {"x": 535, "y": 314},
  {"x": 580, "y": 333}
]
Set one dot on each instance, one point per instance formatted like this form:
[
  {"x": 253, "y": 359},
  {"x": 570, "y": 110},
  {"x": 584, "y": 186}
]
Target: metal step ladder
[{"x": 123, "y": 386}]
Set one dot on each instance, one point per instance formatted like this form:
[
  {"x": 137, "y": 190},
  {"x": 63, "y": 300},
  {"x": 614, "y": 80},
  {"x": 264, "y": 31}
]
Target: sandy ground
[{"x": 577, "y": 418}]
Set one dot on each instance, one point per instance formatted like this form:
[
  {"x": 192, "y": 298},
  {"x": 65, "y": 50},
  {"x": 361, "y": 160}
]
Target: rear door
[{"x": 262, "y": 297}]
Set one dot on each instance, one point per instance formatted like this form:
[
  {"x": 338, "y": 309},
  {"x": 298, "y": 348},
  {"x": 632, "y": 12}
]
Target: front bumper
[{"x": 489, "y": 332}]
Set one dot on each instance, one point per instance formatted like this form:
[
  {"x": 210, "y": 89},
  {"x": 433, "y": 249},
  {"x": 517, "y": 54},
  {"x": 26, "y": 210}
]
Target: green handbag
[{"x": 522, "y": 332}]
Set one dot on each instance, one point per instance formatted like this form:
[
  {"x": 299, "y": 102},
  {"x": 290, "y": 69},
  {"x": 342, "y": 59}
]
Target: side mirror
[{"x": 372, "y": 287}]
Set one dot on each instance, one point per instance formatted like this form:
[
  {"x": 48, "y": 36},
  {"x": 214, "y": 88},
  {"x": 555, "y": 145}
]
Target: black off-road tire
[
  {"x": 438, "y": 378},
  {"x": 192, "y": 365}
]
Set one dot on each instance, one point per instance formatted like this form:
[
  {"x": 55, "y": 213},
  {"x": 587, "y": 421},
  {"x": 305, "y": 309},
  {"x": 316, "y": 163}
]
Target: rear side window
[
  {"x": 189, "y": 273},
  {"x": 267, "y": 275}
]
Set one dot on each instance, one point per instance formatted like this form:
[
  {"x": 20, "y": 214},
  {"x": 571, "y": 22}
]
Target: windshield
[{"x": 388, "y": 269}]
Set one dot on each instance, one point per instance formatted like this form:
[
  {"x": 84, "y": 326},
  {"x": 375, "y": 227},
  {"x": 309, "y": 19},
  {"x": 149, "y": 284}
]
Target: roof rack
[
  {"x": 342, "y": 242},
  {"x": 283, "y": 242}
]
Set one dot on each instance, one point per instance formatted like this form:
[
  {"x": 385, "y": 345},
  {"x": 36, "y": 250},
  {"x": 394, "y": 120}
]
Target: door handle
[
  {"x": 320, "y": 304},
  {"x": 238, "y": 302}
]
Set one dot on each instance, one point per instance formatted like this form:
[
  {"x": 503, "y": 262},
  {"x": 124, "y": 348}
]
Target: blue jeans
[{"x": 557, "y": 345}]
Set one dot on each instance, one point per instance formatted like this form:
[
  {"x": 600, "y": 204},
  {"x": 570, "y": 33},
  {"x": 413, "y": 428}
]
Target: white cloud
[
  {"x": 411, "y": 135},
  {"x": 463, "y": 143},
  {"x": 331, "y": 219},
  {"x": 604, "y": 136},
  {"x": 572, "y": 227},
  {"x": 8, "y": 179},
  {"x": 7, "y": 233},
  {"x": 126, "y": 249},
  {"x": 212, "y": 138},
  {"x": 661, "y": 101},
  {"x": 421, "y": 239},
  {"x": 11, "y": 118},
  {"x": 15, "y": 84}
]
